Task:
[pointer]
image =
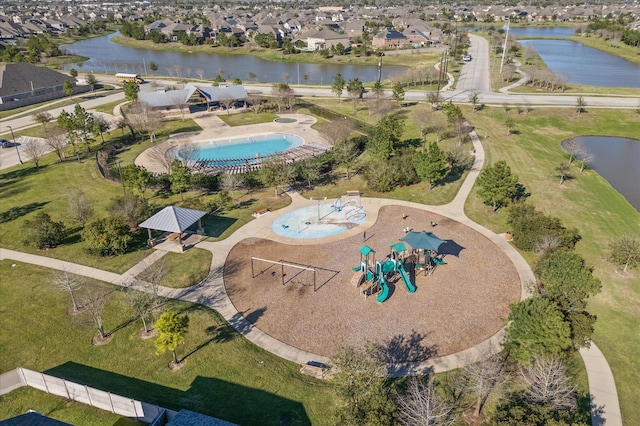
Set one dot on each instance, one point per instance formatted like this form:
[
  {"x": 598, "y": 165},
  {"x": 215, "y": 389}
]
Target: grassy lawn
[
  {"x": 27, "y": 398},
  {"x": 586, "y": 202},
  {"x": 108, "y": 108},
  {"x": 234, "y": 120},
  {"x": 225, "y": 375},
  {"x": 186, "y": 269}
]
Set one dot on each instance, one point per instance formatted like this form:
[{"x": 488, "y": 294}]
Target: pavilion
[{"x": 175, "y": 220}]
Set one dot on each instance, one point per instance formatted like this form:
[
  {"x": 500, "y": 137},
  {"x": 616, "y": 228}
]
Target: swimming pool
[
  {"x": 319, "y": 221},
  {"x": 248, "y": 148}
]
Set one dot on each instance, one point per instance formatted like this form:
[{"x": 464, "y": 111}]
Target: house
[
  {"x": 324, "y": 39},
  {"x": 390, "y": 38},
  {"x": 24, "y": 84}
]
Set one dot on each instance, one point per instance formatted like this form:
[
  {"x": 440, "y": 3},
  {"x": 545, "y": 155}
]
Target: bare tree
[
  {"x": 336, "y": 131},
  {"x": 423, "y": 406},
  {"x": 484, "y": 379},
  {"x": 434, "y": 98},
  {"x": 66, "y": 281},
  {"x": 581, "y": 104},
  {"x": 231, "y": 182},
  {"x": 200, "y": 73},
  {"x": 94, "y": 302},
  {"x": 227, "y": 102},
  {"x": 57, "y": 141},
  {"x": 144, "y": 119},
  {"x": 143, "y": 299},
  {"x": 80, "y": 208},
  {"x": 256, "y": 103},
  {"x": 572, "y": 146},
  {"x": 548, "y": 383},
  {"x": 100, "y": 125},
  {"x": 474, "y": 98},
  {"x": 162, "y": 157},
  {"x": 381, "y": 108},
  {"x": 35, "y": 149},
  {"x": 585, "y": 156},
  {"x": 187, "y": 153},
  {"x": 563, "y": 170}
]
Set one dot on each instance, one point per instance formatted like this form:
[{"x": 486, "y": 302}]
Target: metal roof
[
  {"x": 166, "y": 99},
  {"x": 173, "y": 219},
  {"x": 221, "y": 93}
]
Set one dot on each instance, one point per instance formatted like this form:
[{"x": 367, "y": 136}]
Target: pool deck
[{"x": 214, "y": 128}]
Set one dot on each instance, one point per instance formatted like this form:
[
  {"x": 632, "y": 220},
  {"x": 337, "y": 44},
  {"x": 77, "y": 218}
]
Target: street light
[{"x": 16, "y": 144}]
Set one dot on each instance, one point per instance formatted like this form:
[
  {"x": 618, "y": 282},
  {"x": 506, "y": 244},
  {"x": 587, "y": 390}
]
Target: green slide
[
  {"x": 407, "y": 282},
  {"x": 384, "y": 291}
]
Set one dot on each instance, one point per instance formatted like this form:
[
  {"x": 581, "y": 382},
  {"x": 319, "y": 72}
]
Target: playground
[{"x": 305, "y": 295}]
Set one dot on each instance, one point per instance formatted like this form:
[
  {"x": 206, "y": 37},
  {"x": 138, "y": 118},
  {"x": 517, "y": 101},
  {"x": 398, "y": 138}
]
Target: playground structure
[{"x": 378, "y": 274}]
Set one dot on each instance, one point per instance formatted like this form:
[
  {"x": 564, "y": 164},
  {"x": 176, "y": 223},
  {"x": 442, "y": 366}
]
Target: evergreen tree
[{"x": 432, "y": 165}]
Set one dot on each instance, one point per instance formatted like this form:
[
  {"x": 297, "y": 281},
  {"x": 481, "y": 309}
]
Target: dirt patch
[
  {"x": 456, "y": 307},
  {"x": 98, "y": 340}
]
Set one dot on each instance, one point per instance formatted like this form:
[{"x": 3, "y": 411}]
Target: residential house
[
  {"x": 390, "y": 38},
  {"x": 324, "y": 39}
]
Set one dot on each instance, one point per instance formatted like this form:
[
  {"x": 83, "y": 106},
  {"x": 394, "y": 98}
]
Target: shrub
[
  {"x": 534, "y": 230},
  {"x": 42, "y": 232},
  {"x": 108, "y": 236}
]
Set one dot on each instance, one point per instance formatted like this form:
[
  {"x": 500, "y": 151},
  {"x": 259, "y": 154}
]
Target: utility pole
[
  {"x": 504, "y": 49},
  {"x": 15, "y": 144}
]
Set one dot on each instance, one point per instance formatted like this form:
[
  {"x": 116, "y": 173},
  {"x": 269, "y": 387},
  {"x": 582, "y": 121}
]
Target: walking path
[{"x": 211, "y": 292}]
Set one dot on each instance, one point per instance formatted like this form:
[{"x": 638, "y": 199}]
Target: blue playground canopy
[{"x": 423, "y": 240}]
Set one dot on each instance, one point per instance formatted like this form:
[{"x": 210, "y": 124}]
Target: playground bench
[
  {"x": 260, "y": 211},
  {"x": 313, "y": 369}
]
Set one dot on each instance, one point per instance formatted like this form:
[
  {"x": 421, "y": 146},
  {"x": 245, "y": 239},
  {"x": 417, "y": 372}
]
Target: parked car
[
  {"x": 7, "y": 144},
  {"x": 466, "y": 58}
]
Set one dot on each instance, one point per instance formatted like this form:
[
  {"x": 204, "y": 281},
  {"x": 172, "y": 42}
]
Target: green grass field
[
  {"x": 586, "y": 202},
  {"x": 225, "y": 375}
]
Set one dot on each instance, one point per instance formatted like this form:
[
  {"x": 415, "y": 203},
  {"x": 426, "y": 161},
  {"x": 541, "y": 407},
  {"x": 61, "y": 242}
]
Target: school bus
[{"x": 124, "y": 77}]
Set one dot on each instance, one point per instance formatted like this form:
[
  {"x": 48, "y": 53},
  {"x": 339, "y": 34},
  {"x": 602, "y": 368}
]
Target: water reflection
[
  {"x": 618, "y": 161},
  {"x": 108, "y": 57}
]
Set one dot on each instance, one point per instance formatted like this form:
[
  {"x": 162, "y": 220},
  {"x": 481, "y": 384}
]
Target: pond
[
  {"x": 109, "y": 57},
  {"x": 585, "y": 65},
  {"x": 541, "y": 31},
  {"x": 618, "y": 161}
]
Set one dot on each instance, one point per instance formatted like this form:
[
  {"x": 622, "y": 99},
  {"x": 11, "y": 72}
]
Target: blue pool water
[
  {"x": 304, "y": 223},
  {"x": 248, "y": 147}
]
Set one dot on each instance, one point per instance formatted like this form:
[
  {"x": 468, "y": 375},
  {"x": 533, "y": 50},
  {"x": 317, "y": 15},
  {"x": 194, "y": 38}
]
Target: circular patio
[{"x": 456, "y": 307}]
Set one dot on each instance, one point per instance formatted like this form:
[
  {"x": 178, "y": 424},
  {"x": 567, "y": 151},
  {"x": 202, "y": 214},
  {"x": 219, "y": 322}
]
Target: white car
[{"x": 466, "y": 58}]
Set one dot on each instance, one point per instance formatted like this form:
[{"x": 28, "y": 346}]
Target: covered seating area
[{"x": 174, "y": 221}]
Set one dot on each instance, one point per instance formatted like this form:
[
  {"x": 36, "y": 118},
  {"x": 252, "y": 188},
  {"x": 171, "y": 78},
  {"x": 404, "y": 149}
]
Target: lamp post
[{"x": 16, "y": 144}]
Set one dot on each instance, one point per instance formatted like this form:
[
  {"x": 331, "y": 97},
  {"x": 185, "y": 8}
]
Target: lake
[
  {"x": 581, "y": 64},
  {"x": 109, "y": 57},
  {"x": 618, "y": 161},
  {"x": 541, "y": 31}
]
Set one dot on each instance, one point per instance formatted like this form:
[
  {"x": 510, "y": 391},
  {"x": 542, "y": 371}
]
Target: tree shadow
[
  {"x": 122, "y": 325},
  {"x": 21, "y": 173},
  {"x": 400, "y": 351},
  {"x": 214, "y": 226},
  {"x": 19, "y": 211},
  {"x": 235, "y": 403},
  {"x": 254, "y": 315}
]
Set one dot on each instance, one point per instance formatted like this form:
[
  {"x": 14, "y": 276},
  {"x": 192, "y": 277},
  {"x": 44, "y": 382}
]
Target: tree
[
  {"x": 42, "y": 118},
  {"x": 531, "y": 228},
  {"x": 309, "y": 169},
  {"x": 625, "y": 250},
  {"x": 536, "y": 329},
  {"x": 42, "y": 232},
  {"x": 162, "y": 157},
  {"x": 581, "y": 104},
  {"x": 172, "y": 328},
  {"x": 67, "y": 122},
  {"x": 231, "y": 182},
  {"x": 432, "y": 165},
  {"x": 496, "y": 185},
  {"x": 275, "y": 173},
  {"x": 179, "y": 178},
  {"x": 143, "y": 301},
  {"x": 67, "y": 88},
  {"x": 83, "y": 124},
  {"x": 137, "y": 177},
  {"x": 92, "y": 80},
  {"x": 66, "y": 281},
  {"x": 107, "y": 236},
  {"x": 385, "y": 138},
  {"x": 474, "y": 98},
  {"x": 510, "y": 123},
  {"x": 484, "y": 379},
  {"x": 131, "y": 90},
  {"x": 283, "y": 95},
  {"x": 338, "y": 85},
  {"x": 563, "y": 169},
  {"x": 256, "y": 103},
  {"x": 100, "y": 125},
  {"x": 547, "y": 383},
  {"x": 359, "y": 381},
  {"x": 337, "y": 131},
  {"x": 398, "y": 93},
  {"x": 227, "y": 102},
  {"x": 80, "y": 209},
  {"x": 154, "y": 67},
  {"x": 132, "y": 209},
  {"x": 422, "y": 405},
  {"x": 345, "y": 154},
  {"x": 94, "y": 301},
  {"x": 73, "y": 72},
  {"x": 143, "y": 119},
  {"x": 35, "y": 149},
  {"x": 355, "y": 89},
  {"x": 57, "y": 141},
  {"x": 453, "y": 113}
]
